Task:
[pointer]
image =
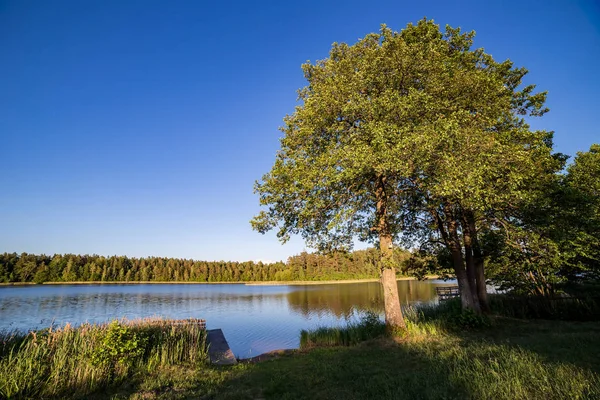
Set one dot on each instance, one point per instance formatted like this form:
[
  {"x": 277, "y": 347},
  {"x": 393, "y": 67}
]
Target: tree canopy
[{"x": 411, "y": 135}]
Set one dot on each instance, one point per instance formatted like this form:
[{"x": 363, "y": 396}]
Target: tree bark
[
  {"x": 479, "y": 267},
  {"x": 393, "y": 313},
  {"x": 466, "y": 296},
  {"x": 453, "y": 242},
  {"x": 469, "y": 259}
]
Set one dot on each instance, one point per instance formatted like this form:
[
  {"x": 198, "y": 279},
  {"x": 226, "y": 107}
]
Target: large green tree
[{"x": 409, "y": 134}]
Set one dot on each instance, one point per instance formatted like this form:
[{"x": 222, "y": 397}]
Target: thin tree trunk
[
  {"x": 470, "y": 261},
  {"x": 479, "y": 267},
  {"x": 393, "y": 313}
]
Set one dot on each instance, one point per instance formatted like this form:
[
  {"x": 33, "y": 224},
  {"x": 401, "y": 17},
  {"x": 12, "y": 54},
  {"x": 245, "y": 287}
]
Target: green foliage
[
  {"x": 119, "y": 346},
  {"x": 468, "y": 319},
  {"x": 583, "y": 220},
  {"x": 514, "y": 360},
  {"x": 429, "y": 260},
  {"x": 553, "y": 237},
  {"x": 418, "y": 111}
]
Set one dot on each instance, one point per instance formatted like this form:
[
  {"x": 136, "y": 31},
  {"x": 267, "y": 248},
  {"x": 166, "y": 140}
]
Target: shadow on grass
[
  {"x": 379, "y": 369},
  {"x": 576, "y": 343},
  {"x": 454, "y": 367},
  {"x": 511, "y": 360}
]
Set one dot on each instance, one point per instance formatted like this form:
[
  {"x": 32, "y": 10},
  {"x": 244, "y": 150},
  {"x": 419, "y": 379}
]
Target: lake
[{"x": 254, "y": 318}]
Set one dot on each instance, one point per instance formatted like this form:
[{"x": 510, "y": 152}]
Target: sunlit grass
[
  {"x": 73, "y": 361},
  {"x": 437, "y": 360},
  {"x": 440, "y": 356}
]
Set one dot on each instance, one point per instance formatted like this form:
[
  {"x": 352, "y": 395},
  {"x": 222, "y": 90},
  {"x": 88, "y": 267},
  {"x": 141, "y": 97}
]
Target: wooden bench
[{"x": 447, "y": 292}]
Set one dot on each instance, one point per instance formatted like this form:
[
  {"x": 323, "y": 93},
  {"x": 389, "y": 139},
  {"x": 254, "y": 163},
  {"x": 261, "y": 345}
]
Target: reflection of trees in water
[
  {"x": 344, "y": 299},
  {"x": 36, "y": 312},
  {"x": 341, "y": 300}
]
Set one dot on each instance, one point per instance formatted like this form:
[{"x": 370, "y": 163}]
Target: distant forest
[{"x": 25, "y": 267}]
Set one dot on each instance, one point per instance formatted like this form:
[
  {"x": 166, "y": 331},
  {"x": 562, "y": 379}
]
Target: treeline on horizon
[{"x": 17, "y": 268}]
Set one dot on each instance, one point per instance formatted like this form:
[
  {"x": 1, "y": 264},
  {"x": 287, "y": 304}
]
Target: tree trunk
[
  {"x": 466, "y": 295},
  {"x": 470, "y": 260},
  {"x": 479, "y": 268},
  {"x": 481, "y": 285},
  {"x": 393, "y": 313}
]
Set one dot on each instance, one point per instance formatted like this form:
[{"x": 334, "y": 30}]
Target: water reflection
[
  {"x": 346, "y": 300},
  {"x": 255, "y": 319}
]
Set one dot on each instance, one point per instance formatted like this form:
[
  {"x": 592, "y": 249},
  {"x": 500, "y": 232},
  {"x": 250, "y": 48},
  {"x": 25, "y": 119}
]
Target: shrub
[{"x": 119, "y": 347}]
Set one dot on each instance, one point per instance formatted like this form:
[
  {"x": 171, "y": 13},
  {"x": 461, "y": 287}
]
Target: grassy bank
[
  {"x": 73, "y": 362},
  {"x": 443, "y": 355},
  {"x": 439, "y": 358}
]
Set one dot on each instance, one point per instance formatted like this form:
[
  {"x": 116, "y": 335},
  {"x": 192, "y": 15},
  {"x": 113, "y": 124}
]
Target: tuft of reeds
[
  {"x": 370, "y": 326},
  {"x": 79, "y": 360}
]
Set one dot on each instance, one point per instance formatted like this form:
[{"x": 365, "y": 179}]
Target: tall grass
[
  {"x": 369, "y": 327},
  {"x": 421, "y": 320},
  {"x": 74, "y": 361}
]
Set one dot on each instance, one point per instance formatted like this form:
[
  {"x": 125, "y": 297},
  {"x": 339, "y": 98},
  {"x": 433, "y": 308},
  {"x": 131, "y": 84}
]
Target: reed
[
  {"x": 74, "y": 361},
  {"x": 370, "y": 326}
]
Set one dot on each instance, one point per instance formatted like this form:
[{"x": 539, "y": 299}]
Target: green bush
[
  {"x": 119, "y": 346},
  {"x": 468, "y": 319}
]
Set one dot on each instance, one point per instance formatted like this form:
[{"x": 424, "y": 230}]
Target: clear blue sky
[{"x": 139, "y": 127}]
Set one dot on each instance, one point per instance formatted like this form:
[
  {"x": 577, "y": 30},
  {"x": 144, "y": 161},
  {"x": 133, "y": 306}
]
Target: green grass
[
  {"x": 439, "y": 358},
  {"x": 74, "y": 362},
  {"x": 510, "y": 359},
  {"x": 446, "y": 367},
  {"x": 369, "y": 327}
]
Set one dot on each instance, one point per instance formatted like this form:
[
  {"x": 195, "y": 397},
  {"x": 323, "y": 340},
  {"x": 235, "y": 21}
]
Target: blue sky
[{"x": 139, "y": 127}]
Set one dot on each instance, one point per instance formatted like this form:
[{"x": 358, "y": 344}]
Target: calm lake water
[{"x": 255, "y": 319}]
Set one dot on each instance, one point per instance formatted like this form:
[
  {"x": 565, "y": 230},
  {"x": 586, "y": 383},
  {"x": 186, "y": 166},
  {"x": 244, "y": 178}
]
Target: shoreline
[
  {"x": 330, "y": 282},
  {"x": 247, "y": 283}
]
